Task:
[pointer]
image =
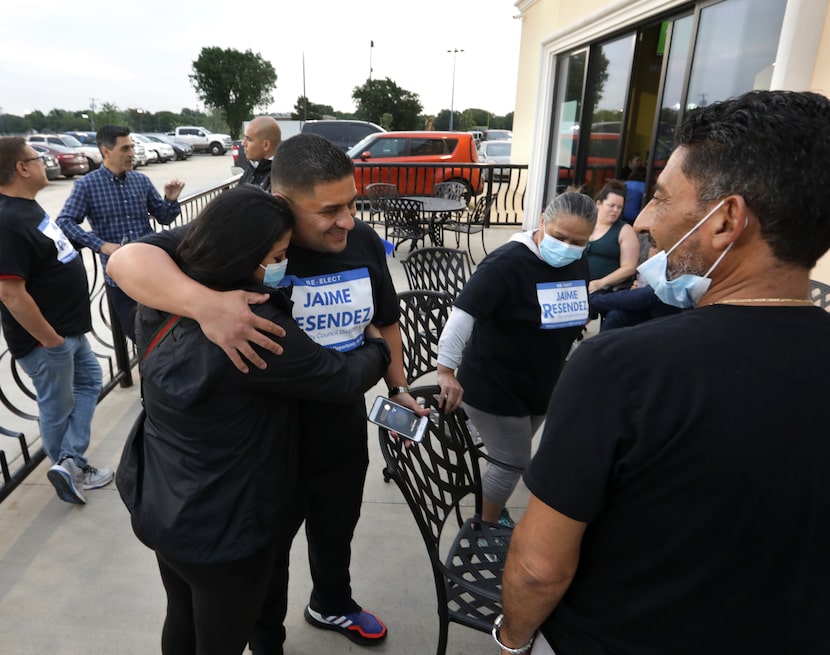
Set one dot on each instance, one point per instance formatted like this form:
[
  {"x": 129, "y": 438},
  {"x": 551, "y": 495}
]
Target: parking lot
[{"x": 197, "y": 172}]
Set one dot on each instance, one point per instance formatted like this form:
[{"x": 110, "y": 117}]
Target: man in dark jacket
[{"x": 260, "y": 141}]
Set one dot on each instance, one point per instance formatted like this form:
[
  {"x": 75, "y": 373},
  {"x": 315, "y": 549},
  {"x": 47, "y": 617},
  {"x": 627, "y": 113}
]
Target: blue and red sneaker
[{"x": 362, "y": 627}]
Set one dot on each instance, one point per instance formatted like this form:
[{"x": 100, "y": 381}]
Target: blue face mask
[
  {"x": 274, "y": 273},
  {"x": 557, "y": 253},
  {"x": 684, "y": 291}
]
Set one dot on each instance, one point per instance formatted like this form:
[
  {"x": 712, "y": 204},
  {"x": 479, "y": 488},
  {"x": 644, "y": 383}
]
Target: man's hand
[
  {"x": 227, "y": 321},
  {"x": 451, "y": 391},
  {"x": 172, "y": 189}
]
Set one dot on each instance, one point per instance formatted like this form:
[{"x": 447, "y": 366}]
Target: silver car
[{"x": 495, "y": 152}]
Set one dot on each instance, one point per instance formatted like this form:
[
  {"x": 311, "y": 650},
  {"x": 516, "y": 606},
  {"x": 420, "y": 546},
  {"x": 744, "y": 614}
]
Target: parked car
[
  {"x": 164, "y": 151},
  {"x": 50, "y": 162},
  {"x": 202, "y": 139},
  {"x": 140, "y": 156},
  {"x": 495, "y": 152},
  {"x": 150, "y": 156},
  {"x": 86, "y": 138},
  {"x": 497, "y": 135},
  {"x": 181, "y": 150},
  {"x": 238, "y": 152},
  {"x": 389, "y": 148},
  {"x": 92, "y": 154},
  {"x": 72, "y": 162},
  {"x": 343, "y": 133}
]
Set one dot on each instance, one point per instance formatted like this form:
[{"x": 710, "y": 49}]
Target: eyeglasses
[{"x": 40, "y": 158}]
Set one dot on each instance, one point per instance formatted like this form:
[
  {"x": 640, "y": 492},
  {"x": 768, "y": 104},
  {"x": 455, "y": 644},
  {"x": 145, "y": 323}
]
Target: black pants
[
  {"x": 330, "y": 493},
  {"x": 212, "y": 608},
  {"x": 125, "y": 308}
]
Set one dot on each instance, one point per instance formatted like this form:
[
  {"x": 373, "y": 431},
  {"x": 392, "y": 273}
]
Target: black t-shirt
[
  {"x": 33, "y": 248},
  {"x": 527, "y": 317},
  {"x": 696, "y": 449}
]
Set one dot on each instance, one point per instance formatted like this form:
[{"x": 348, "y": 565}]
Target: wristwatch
[
  {"x": 513, "y": 651},
  {"x": 394, "y": 391}
]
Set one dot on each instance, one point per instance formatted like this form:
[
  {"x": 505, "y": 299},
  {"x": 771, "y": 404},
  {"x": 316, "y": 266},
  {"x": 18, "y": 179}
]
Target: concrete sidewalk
[{"x": 74, "y": 579}]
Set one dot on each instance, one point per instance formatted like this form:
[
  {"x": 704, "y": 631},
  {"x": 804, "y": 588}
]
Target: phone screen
[{"x": 398, "y": 419}]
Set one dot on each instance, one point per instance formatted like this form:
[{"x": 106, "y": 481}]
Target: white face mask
[
  {"x": 274, "y": 273},
  {"x": 686, "y": 290}
]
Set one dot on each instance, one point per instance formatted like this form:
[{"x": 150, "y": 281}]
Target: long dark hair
[{"x": 232, "y": 235}]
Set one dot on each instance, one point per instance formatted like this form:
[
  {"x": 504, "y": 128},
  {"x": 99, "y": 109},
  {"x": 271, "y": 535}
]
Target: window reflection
[{"x": 735, "y": 49}]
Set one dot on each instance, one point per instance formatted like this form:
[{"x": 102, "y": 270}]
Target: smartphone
[{"x": 397, "y": 418}]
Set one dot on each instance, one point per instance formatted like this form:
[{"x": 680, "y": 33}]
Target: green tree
[
  {"x": 502, "y": 122},
  {"x": 378, "y": 97},
  {"x": 233, "y": 82},
  {"x": 109, "y": 114},
  {"x": 442, "y": 120},
  {"x": 304, "y": 109}
]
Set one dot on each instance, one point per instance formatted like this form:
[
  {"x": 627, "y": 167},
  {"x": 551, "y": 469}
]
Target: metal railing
[
  {"x": 20, "y": 450},
  {"x": 507, "y": 182}
]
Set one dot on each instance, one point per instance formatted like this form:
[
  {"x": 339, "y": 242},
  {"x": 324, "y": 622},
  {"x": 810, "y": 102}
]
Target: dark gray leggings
[{"x": 507, "y": 439}]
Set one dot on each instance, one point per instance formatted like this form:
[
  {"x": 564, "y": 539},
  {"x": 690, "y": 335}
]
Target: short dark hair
[
  {"x": 232, "y": 235},
  {"x": 11, "y": 151},
  {"x": 773, "y": 149},
  {"x": 611, "y": 186},
  {"x": 108, "y": 135},
  {"x": 306, "y": 160}
]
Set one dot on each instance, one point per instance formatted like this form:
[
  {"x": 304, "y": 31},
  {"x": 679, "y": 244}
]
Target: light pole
[{"x": 454, "y": 52}]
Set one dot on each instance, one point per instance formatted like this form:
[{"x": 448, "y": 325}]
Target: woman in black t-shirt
[{"x": 511, "y": 328}]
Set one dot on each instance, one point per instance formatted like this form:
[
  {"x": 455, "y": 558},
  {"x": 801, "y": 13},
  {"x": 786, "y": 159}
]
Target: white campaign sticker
[
  {"x": 333, "y": 309},
  {"x": 562, "y": 304},
  {"x": 50, "y": 229}
]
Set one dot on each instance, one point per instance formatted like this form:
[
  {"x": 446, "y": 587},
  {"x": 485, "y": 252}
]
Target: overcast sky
[{"x": 58, "y": 54}]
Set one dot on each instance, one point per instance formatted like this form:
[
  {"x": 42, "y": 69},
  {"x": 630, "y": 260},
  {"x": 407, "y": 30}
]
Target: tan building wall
[{"x": 553, "y": 26}]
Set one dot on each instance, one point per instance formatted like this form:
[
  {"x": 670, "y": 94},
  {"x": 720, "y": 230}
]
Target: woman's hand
[
  {"x": 451, "y": 391},
  {"x": 595, "y": 285}
]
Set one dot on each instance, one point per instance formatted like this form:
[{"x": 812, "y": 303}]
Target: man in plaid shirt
[{"x": 116, "y": 201}]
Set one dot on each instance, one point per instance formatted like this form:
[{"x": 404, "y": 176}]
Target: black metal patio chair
[
  {"x": 474, "y": 222},
  {"x": 437, "y": 269},
  {"x": 403, "y": 220},
  {"x": 819, "y": 294},
  {"x": 423, "y": 316},
  {"x": 435, "y": 476},
  {"x": 376, "y": 193}
]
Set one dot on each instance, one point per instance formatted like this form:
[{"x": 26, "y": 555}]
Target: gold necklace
[{"x": 729, "y": 301}]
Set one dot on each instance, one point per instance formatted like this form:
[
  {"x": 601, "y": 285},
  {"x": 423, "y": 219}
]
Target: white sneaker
[
  {"x": 68, "y": 481},
  {"x": 94, "y": 478}
]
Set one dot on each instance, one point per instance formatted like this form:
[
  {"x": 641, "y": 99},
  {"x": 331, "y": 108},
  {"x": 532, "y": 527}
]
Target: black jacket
[
  {"x": 220, "y": 453},
  {"x": 258, "y": 175}
]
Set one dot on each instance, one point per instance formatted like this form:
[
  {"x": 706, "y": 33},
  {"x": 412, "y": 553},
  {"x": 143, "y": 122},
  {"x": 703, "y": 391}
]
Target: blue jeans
[{"x": 67, "y": 380}]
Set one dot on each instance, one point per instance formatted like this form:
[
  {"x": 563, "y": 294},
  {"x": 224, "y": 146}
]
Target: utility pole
[
  {"x": 454, "y": 52},
  {"x": 92, "y": 108},
  {"x": 305, "y": 97}
]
